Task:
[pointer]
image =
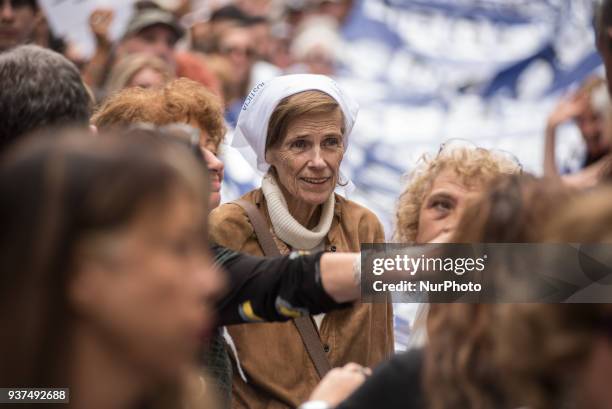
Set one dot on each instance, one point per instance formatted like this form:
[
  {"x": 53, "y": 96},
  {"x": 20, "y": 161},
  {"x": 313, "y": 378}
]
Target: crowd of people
[{"x": 126, "y": 280}]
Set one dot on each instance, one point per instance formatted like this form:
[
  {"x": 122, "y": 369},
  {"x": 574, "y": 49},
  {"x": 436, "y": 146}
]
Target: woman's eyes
[
  {"x": 441, "y": 205},
  {"x": 303, "y": 144},
  {"x": 331, "y": 142},
  {"x": 299, "y": 144}
]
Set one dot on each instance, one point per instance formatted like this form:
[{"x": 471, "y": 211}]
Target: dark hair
[
  {"x": 54, "y": 193},
  {"x": 39, "y": 87},
  {"x": 229, "y": 13},
  {"x": 514, "y": 209},
  {"x": 603, "y": 20}
]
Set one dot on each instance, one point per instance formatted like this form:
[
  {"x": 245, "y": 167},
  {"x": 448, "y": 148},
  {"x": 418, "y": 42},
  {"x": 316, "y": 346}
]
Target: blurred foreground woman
[{"x": 107, "y": 284}]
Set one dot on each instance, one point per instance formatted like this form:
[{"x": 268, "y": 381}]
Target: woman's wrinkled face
[
  {"x": 152, "y": 293},
  {"x": 307, "y": 161},
  {"x": 443, "y": 206}
]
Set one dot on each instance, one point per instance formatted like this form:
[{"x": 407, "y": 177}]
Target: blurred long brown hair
[
  {"x": 55, "y": 190},
  {"x": 460, "y": 367},
  {"x": 544, "y": 347}
]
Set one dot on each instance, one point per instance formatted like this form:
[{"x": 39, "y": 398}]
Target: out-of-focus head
[
  {"x": 587, "y": 219},
  {"x": 105, "y": 240},
  {"x": 603, "y": 37},
  {"x": 257, "y": 7},
  {"x": 317, "y": 45},
  {"x": 514, "y": 208},
  {"x": 17, "y": 22},
  {"x": 262, "y": 37},
  {"x": 206, "y": 28},
  {"x": 235, "y": 43},
  {"x": 560, "y": 353},
  {"x": 553, "y": 354},
  {"x": 338, "y": 9},
  {"x": 153, "y": 31},
  {"x": 179, "y": 101},
  {"x": 592, "y": 119},
  {"x": 440, "y": 189},
  {"x": 138, "y": 70},
  {"x": 39, "y": 87}
]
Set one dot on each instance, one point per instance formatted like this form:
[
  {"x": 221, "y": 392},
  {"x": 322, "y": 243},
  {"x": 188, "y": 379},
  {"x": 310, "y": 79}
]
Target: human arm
[
  {"x": 95, "y": 70},
  {"x": 566, "y": 109},
  {"x": 285, "y": 287}
]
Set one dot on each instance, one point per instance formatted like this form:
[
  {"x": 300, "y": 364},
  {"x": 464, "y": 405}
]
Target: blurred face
[
  {"x": 605, "y": 50},
  {"x": 591, "y": 126},
  {"x": 319, "y": 61},
  {"x": 215, "y": 167},
  {"x": 158, "y": 40},
  {"x": 147, "y": 78},
  {"x": 17, "y": 22},
  {"x": 261, "y": 36},
  {"x": 237, "y": 46},
  {"x": 443, "y": 205},
  {"x": 308, "y": 159},
  {"x": 152, "y": 291}
]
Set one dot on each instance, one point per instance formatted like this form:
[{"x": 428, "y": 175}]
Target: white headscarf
[{"x": 252, "y": 128}]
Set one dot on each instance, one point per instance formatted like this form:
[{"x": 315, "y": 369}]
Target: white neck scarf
[{"x": 286, "y": 227}]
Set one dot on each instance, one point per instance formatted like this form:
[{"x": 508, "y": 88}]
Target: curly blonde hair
[
  {"x": 181, "y": 100},
  {"x": 474, "y": 167}
]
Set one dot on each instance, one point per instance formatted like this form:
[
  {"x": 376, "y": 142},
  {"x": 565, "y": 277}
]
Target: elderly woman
[{"x": 297, "y": 128}]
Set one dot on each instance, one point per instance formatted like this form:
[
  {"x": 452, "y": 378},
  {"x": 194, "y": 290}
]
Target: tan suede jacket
[{"x": 277, "y": 367}]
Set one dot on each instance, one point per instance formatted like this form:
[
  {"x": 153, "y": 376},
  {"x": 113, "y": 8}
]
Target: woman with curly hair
[
  {"x": 439, "y": 190},
  {"x": 440, "y": 187}
]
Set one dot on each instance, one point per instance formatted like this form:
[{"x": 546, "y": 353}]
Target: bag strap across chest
[{"x": 306, "y": 328}]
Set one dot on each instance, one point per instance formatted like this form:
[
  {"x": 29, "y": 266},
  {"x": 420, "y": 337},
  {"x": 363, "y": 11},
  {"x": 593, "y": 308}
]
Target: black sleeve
[
  {"x": 271, "y": 289},
  {"x": 394, "y": 384}
]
